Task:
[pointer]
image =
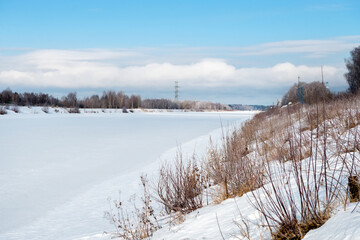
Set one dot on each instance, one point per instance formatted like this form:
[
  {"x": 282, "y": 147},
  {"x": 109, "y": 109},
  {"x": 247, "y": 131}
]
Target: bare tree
[
  {"x": 312, "y": 92},
  {"x": 353, "y": 74}
]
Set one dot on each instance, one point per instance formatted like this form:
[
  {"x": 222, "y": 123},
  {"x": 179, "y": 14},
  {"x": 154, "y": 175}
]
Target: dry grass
[
  {"x": 297, "y": 230},
  {"x": 231, "y": 169},
  {"x": 292, "y": 208},
  {"x": 287, "y": 143}
]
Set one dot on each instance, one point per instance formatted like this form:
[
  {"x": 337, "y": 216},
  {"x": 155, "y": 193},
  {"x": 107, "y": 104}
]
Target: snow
[
  {"x": 343, "y": 225},
  {"x": 205, "y": 222},
  {"x": 58, "y": 169}
]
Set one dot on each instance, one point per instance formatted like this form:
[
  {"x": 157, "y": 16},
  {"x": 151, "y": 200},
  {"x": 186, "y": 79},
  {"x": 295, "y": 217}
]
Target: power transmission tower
[{"x": 177, "y": 91}]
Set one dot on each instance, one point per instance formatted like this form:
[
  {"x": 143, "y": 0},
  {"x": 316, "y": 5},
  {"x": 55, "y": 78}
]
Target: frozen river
[{"x": 57, "y": 170}]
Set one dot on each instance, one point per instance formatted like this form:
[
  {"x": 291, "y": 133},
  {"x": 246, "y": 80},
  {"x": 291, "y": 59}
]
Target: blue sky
[{"x": 217, "y": 50}]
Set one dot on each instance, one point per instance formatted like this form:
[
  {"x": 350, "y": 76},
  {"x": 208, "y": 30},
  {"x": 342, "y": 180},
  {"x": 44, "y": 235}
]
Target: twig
[{"x": 217, "y": 221}]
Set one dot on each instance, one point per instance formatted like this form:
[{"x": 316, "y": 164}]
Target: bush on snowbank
[
  {"x": 139, "y": 224},
  {"x": 2, "y": 111},
  {"x": 74, "y": 110},
  {"x": 180, "y": 185}
]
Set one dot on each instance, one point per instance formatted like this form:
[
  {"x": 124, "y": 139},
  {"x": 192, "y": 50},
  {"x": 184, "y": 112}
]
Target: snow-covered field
[{"x": 58, "y": 169}]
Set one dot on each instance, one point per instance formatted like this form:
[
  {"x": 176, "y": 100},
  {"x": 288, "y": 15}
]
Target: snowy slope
[
  {"x": 343, "y": 225},
  {"x": 231, "y": 218},
  {"x": 236, "y": 218},
  {"x": 213, "y": 221}
]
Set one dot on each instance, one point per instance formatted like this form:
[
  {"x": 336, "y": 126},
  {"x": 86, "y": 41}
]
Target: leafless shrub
[
  {"x": 15, "y": 109},
  {"x": 74, "y": 110},
  {"x": 2, "y": 111},
  {"x": 180, "y": 186},
  {"x": 141, "y": 223},
  {"x": 312, "y": 93},
  {"x": 45, "y": 109}
]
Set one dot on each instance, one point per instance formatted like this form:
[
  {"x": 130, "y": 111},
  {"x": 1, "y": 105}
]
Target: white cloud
[
  {"x": 194, "y": 67},
  {"x": 313, "y": 48},
  {"x": 100, "y": 68}
]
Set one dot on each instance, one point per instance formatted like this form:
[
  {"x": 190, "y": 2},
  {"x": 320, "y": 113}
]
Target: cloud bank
[
  {"x": 89, "y": 68},
  {"x": 199, "y": 69},
  {"x": 312, "y": 48}
]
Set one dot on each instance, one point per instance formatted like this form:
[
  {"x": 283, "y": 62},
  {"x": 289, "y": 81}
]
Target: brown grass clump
[
  {"x": 297, "y": 230},
  {"x": 354, "y": 188}
]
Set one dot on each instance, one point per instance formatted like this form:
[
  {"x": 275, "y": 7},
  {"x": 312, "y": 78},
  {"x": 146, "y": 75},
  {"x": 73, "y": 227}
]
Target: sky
[{"x": 245, "y": 52}]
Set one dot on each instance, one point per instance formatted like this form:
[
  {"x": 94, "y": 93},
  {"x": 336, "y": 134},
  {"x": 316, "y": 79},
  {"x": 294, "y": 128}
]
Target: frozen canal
[{"x": 57, "y": 170}]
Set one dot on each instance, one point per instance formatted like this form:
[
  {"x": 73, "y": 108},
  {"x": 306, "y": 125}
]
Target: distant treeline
[
  {"x": 109, "y": 99},
  {"x": 248, "y": 107}
]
